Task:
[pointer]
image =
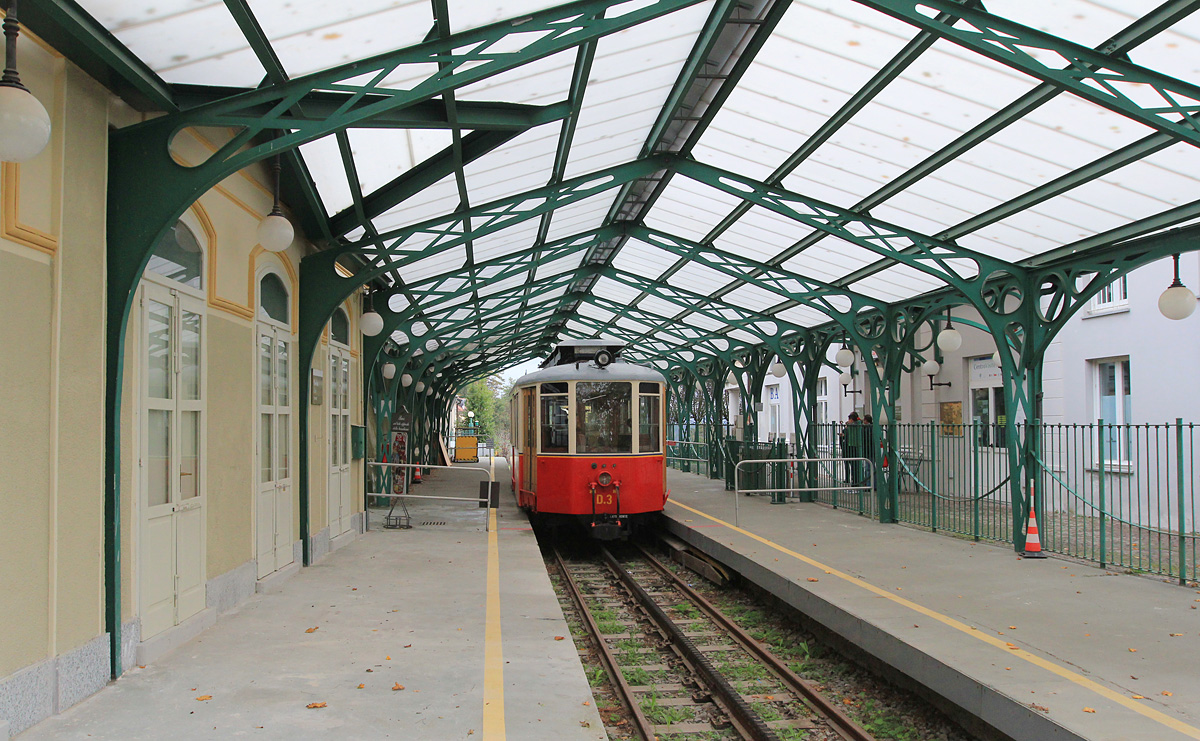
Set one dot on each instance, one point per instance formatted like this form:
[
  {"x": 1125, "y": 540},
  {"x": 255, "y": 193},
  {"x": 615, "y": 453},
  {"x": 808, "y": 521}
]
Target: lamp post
[{"x": 24, "y": 123}]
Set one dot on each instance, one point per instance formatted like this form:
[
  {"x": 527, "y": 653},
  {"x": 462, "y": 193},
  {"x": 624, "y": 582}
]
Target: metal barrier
[
  {"x": 860, "y": 488},
  {"x": 682, "y": 443},
  {"x": 488, "y": 501}
]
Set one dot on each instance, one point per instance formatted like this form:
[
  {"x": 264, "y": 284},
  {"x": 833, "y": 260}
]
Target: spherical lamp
[
  {"x": 429, "y": 391},
  {"x": 949, "y": 340},
  {"x": 420, "y": 386},
  {"x": 406, "y": 380},
  {"x": 931, "y": 367},
  {"x": 845, "y": 378},
  {"x": 389, "y": 371},
  {"x": 371, "y": 323},
  {"x": 1177, "y": 302},
  {"x": 844, "y": 357},
  {"x": 778, "y": 370},
  {"x": 24, "y": 123},
  {"x": 275, "y": 232}
]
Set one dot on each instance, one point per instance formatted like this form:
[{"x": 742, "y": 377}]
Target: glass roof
[{"x": 666, "y": 256}]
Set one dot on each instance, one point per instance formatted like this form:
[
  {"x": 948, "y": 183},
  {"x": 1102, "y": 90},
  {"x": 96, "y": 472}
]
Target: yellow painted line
[
  {"x": 493, "y": 651},
  {"x": 1079, "y": 679}
]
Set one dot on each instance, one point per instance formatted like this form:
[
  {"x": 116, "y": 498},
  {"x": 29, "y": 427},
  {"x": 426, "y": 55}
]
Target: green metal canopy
[{"x": 688, "y": 176}]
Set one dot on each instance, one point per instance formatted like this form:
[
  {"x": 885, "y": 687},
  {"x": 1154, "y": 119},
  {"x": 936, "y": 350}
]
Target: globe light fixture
[
  {"x": 429, "y": 391},
  {"x": 24, "y": 123},
  {"x": 778, "y": 370},
  {"x": 845, "y": 377},
  {"x": 845, "y": 356},
  {"x": 406, "y": 380},
  {"x": 389, "y": 371},
  {"x": 420, "y": 386},
  {"x": 275, "y": 232},
  {"x": 370, "y": 323},
  {"x": 949, "y": 339},
  {"x": 931, "y": 367},
  {"x": 1177, "y": 302}
]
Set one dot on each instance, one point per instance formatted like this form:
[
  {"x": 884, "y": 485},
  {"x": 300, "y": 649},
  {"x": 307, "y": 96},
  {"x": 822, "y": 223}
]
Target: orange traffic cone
[
  {"x": 417, "y": 475},
  {"x": 1033, "y": 543}
]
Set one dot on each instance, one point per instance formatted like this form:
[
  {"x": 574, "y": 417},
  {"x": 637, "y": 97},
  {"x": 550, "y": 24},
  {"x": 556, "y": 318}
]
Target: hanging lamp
[
  {"x": 1178, "y": 301},
  {"x": 949, "y": 339},
  {"x": 370, "y": 323},
  {"x": 275, "y": 232},
  {"x": 24, "y": 123}
]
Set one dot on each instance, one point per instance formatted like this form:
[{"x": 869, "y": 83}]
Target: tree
[{"x": 481, "y": 400}]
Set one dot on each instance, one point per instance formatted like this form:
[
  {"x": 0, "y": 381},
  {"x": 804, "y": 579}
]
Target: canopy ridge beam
[{"x": 691, "y": 105}]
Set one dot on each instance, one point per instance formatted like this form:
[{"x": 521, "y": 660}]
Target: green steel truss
[{"x": 452, "y": 316}]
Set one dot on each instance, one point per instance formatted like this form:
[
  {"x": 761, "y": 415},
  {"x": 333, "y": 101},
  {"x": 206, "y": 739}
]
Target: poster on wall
[
  {"x": 401, "y": 424},
  {"x": 952, "y": 419}
]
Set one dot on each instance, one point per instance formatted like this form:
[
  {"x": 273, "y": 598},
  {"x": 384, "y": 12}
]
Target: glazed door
[
  {"x": 340, "y": 484},
  {"x": 528, "y": 440},
  {"x": 171, "y": 553},
  {"x": 273, "y": 507}
]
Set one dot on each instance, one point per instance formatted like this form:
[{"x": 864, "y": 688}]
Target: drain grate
[{"x": 434, "y": 522}]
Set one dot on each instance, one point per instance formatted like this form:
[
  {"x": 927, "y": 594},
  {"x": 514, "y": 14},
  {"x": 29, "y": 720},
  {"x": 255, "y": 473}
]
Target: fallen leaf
[
  {"x": 587, "y": 703},
  {"x": 1133, "y": 650},
  {"x": 1089, "y": 710},
  {"x": 408, "y": 645},
  {"x": 1008, "y": 668},
  {"x": 397, "y": 686},
  {"x": 202, "y": 698},
  {"x": 315, "y": 705},
  {"x": 1167, "y": 693},
  {"x": 1138, "y": 697},
  {"x": 812, "y": 578},
  {"x": 1176, "y": 635},
  {"x": 387, "y": 658},
  {"x": 585, "y": 724},
  {"x": 1012, "y": 627},
  {"x": 559, "y": 638},
  {"x": 1042, "y": 708},
  {"x": 313, "y": 630},
  {"x": 361, "y": 685}
]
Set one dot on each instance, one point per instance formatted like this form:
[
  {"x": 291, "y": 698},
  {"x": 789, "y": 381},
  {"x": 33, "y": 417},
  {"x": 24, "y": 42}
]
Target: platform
[
  {"x": 1039, "y": 649},
  {"x": 465, "y": 621}
]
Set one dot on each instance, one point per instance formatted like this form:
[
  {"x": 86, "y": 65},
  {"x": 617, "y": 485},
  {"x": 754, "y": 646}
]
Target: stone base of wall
[{"x": 36, "y": 692}]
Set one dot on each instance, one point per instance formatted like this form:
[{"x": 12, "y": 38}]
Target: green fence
[{"x": 1117, "y": 495}]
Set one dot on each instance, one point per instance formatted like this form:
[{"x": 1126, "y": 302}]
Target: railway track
[{"x": 682, "y": 668}]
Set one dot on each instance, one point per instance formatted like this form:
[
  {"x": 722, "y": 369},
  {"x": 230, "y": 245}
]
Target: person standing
[
  {"x": 852, "y": 445},
  {"x": 868, "y": 435}
]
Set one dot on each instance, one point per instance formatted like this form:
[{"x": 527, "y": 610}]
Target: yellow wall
[{"x": 52, "y": 298}]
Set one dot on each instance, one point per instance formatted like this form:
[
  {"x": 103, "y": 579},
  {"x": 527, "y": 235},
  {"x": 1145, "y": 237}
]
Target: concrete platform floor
[
  {"x": 1043, "y": 649},
  {"x": 413, "y": 608}
]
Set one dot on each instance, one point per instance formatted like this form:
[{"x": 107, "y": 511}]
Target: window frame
[
  {"x": 1124, "y": 396},
  {"x": 1113, "y": 298}
]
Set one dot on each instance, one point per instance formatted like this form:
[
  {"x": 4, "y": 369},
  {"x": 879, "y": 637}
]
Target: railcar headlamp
[{"x": 605, "y": 478}]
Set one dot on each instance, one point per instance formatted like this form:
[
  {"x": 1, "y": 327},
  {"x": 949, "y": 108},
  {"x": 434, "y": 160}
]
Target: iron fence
[{"x": 1117, "y": 495}]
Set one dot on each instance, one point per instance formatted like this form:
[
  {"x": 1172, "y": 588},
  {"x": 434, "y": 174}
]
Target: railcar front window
[
  {"x": 556, "y": 428},
  {"x": 605, "y": 417}
]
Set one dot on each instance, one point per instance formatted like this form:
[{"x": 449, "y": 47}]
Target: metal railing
[
  {"x": 1117, "y": 495},
  {"x": 483, "y": 502},
  {"x": 861, "y": 466}
]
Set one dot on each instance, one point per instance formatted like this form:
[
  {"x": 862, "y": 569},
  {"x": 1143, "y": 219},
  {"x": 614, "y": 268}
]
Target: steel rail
[
  {"x": 840, "y": 722},
  {"x": 643, "y": 724},
  {"x": 747, "y": 722}
]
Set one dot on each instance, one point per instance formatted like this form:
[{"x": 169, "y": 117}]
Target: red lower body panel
[{"x": 570, "y": 485}]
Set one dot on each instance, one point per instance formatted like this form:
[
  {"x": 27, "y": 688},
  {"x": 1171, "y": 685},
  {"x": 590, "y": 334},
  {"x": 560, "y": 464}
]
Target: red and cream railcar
[{"x": 588, "y": 435}]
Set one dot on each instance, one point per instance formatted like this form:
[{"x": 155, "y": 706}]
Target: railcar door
[{"x": 528, "y": 440}]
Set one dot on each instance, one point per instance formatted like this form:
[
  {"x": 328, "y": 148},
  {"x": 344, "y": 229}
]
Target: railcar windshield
[{"x": 605, "y": 423}]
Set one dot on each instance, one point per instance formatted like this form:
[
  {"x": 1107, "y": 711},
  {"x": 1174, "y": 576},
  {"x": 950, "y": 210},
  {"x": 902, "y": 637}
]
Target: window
[
  {"x": 555, "y": 423},
  {"x": 605, "y": 414},
  {"x": 339, "y": 328},
  {"x": 649, "y": 421},
  {"x": 272, "y": 299},
  {"x": 822, "y": 410},
  {"x": 1113, "y": 297},
  {"x": 988, "y": 416},
  {"x": 1114, "y": 407},
  {"x": 178, "y": 256}
]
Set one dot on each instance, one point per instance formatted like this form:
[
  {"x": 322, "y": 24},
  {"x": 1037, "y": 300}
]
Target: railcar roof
[{"x": 617, "y": 371}]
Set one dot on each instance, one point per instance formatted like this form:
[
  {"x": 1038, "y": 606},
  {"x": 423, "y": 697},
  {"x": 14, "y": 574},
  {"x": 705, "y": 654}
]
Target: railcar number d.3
[{"x": 604, "y": 499}]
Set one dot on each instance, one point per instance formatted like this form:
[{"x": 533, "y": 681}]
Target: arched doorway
[
  {"x": 273, "y": 515},
  {"x": 171, "y": 553}
]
